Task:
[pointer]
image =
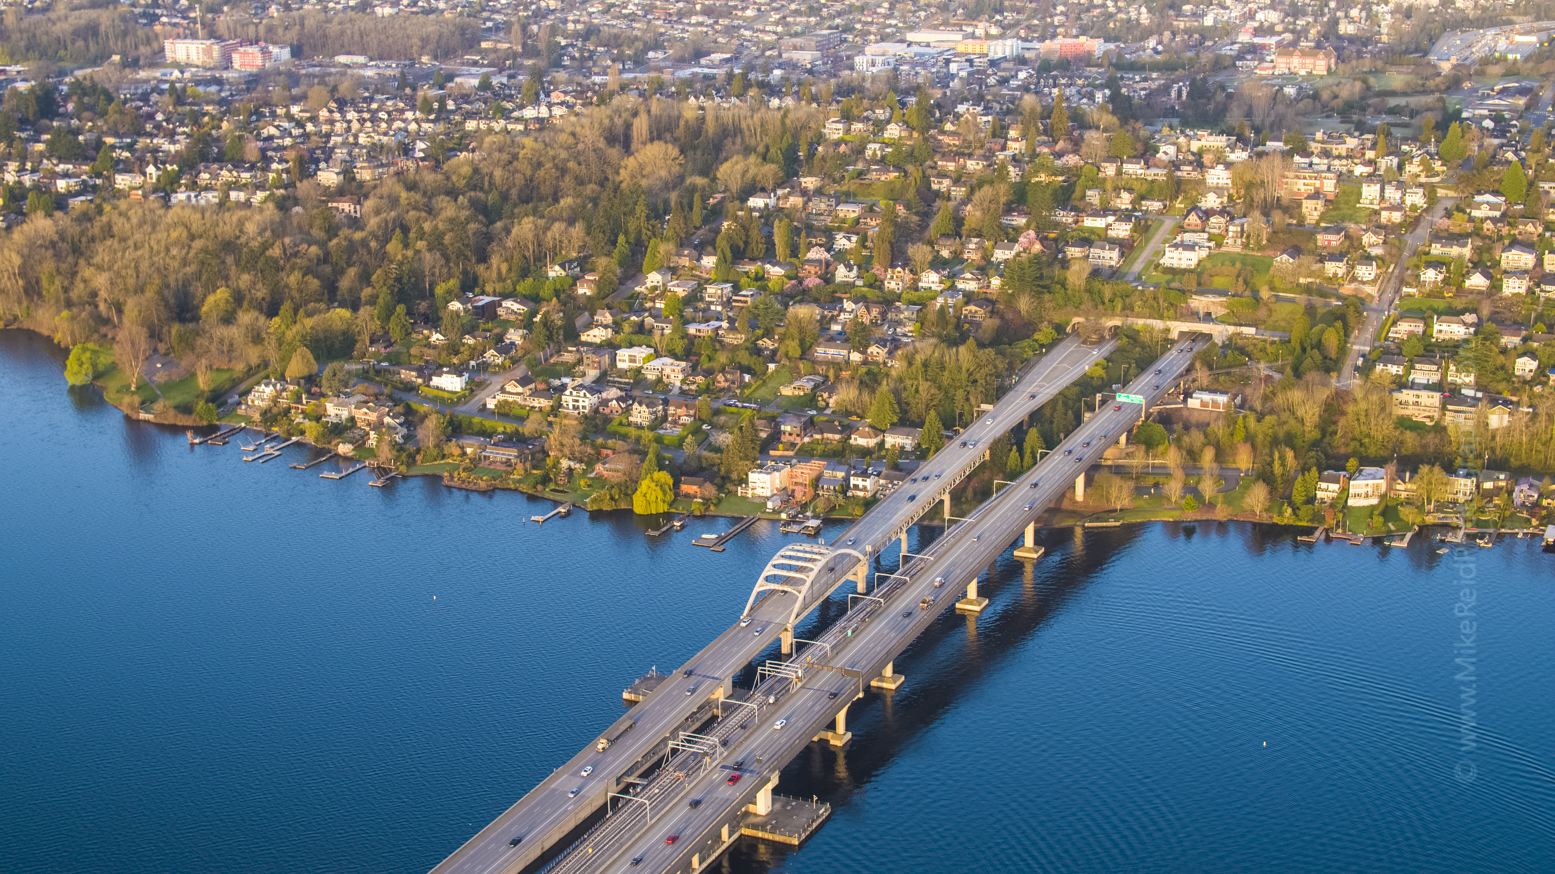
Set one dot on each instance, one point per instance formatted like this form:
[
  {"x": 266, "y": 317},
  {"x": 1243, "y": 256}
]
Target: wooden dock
[
  {"x": 315, "y": 462},
  {"x": 563, "y": 511},
  {"x": 676, "y": 523},
  {"x": 342, "y": 474},
  {"x": 716, "y": 544},
  {"x": 219, "y": 438},
  {"x": 383, "y": 479},
  {"x": 1315, "y": 536}
]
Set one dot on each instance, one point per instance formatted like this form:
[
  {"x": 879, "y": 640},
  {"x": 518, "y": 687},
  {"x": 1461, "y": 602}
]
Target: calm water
[{"x": 207, "y": 666}]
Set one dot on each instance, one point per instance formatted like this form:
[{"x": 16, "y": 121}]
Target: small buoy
[
  {"x": 1266, "y": 744},
  {"x": 434, "y": 597}
]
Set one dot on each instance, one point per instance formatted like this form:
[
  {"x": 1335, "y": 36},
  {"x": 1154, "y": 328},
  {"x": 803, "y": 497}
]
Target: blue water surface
[{"x": 212, "y": 666}]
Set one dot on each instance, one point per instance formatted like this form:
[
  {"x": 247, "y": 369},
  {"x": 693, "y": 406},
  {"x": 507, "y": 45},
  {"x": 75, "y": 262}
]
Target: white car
[
  {"x": 744, "y": 621},
  {"x": 587, "y": 770},
  {"x": 778, "y": 726}
]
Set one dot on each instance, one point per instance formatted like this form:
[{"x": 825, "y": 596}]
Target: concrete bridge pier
[
  {"x": 841, "y": 735},
  {"x": 887, "y": 679},
  {"x": 786, "y": 640},
  {"x": 947, "y": 509},
  {"x": 763, "y": 803},
  {"x": 1079, "y": 487},
  {"x": 901, "y": 562},
  {"x": 1030, "y": 551},
  {"x": 971, "y": 603},
  {"x": 861, "y": 576}
]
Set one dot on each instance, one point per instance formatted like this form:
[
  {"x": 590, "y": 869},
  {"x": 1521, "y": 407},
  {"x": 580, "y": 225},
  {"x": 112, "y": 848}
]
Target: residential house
[
  {"x": 902, "y": 438},
  {"x": 1517, "y": 257},
  {"x": 1368, "y": 487},
  {"x": 580, "y": 399},
  {"x": 1330, "y": 483}
]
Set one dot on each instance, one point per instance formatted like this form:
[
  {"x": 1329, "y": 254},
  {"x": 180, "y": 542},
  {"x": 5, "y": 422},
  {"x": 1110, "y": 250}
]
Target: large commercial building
[
  {"x": 1080, "y": 48},
  {"x": 1314, "y": 62}
]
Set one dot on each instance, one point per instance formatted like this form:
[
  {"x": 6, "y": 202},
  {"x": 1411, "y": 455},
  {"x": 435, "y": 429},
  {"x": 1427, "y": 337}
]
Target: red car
[
  {"x": 671, "y": 839},
  {"x": 1116, "y": 407},
  {"x": 733, "y": 778}
]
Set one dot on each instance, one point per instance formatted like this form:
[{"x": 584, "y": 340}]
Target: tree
[
  {"x": 131, "y": 350},
  {"x": 1116, "y": 492},
  {"x": 1174, "y": 486},
  {"x": 654, "y": 494},
  {"x": 1033, "y": 446},
  {"x": 1383, "y": 131},
  {"x": 783, "y": 238},
  {"x": 1151, "y": 435},
  {"x": 1058, "y": 123},
  {"x": 1514, "y": 183},
  {"x": 883, "y": 412},
  {"x": 933, "y": 436},
  {"x": 919, "y": 255},
  {"x": 302, "y": 365},
  {"x": 1431, "y": 485},
  {"x": 336, "y": 379},
  {"x": 1257, "y": 498},
  {"x": 1244, "y": 456},
  {"x": 1122, "y": 145},
  {"x": 1452, "y": 149},
  {"x": 1209, "y": 487},
  {"x": 1189, "y": 504},
  {"x": 86, "y": 361},
  {"x": 741, "y": 453},
  {"x": 219, "y": 308},
  {"x": 1012, "y": 464},
  {"x": 399, "y": 324}
]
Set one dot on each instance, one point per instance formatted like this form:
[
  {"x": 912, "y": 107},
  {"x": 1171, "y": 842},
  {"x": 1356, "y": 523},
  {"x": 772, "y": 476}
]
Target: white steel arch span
[{"x": 794, "y": 570}]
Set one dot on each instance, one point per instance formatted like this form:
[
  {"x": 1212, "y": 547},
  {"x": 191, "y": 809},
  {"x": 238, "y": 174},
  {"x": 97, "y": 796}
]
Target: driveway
[{"x": 477, "y": 401}]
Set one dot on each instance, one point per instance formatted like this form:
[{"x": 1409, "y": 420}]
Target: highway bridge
[
  {"x": 799, "y": 578},
  {"x": 806, "y": 697}
]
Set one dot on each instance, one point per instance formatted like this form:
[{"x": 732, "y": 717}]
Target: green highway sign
[{"x": 1131, "y": 399}]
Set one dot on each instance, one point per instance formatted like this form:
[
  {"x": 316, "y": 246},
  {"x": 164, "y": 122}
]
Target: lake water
[{"x": 211, "y": 666}]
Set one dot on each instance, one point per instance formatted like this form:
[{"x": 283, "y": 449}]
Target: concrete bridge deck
[{"x": 824, "y": 678}]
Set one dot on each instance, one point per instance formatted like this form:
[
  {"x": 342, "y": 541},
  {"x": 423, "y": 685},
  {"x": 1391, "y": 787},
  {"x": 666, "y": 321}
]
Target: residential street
[
  {"x": 1153, "y": 247},
  {"x": 1377, "y": 313}
]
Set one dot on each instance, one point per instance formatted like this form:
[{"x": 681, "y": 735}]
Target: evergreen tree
[
  {"x": 883, "y": 412},
  {"x": 944, "y": 222},
  {"x": 933, "y": 436},
  {"x": 1058, "y": 124},
  {"x": 1452, "y": 150},
  {"x": 1034, "y": 447},
  {"x": 1012, "y": 465},
  {"x": 741, "y": 453},
  {"x": 1514, "y": 183}
]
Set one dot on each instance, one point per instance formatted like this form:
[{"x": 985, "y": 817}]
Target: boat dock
[
  {"x": 1315, "y": 536},
  {"x": 307, "y": 464},
  {"x": 261, "y": 441},
  {"x": 1400, "y": 541},
  {"x": 810, "y": 525},
  {"x": 342, "y": 474},
  {"x": 716, "y": 543},
  {"x": 219, "y": 438},
  {"x": 563, "y": 511},
  {"x": 676, "y": 523},
  {"x": 383, "y": 479}
]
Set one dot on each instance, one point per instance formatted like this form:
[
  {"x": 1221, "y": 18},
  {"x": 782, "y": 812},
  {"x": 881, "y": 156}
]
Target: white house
[
  {"x": 634, "y": 356},
  {"x": 449, "y": 381}
]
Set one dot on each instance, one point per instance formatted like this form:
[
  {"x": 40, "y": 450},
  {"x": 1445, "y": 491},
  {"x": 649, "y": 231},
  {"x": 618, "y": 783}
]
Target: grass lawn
[
  {"x": 1431, "y": 305},
  {"x": 766, "y": 391},
  {"x": 734, "y": 505},
  {"x": 550, "y": 371},
  {"x": 490, "y": 472},
  {"x": 1260, "y": 264},
  {"x": 437, "y": 467},
  {"x": 796, "y": 402},
  {"x": 446, "y": 397},
  {"x": 1157, "y": 278},
  {"x": 1346, "y": 206}
]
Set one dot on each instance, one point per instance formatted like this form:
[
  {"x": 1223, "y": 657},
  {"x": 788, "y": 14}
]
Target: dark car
[
  {"x": 694, "y": 803},
  {"x": 516, "y": 841},
  {"x": 1158, "y": 373},
  {"x": 636, "y": 860},
  {"x": 830, "y": 695},
  {"x": 963, "y": 444},
  {"x": 907, "y": 614}
]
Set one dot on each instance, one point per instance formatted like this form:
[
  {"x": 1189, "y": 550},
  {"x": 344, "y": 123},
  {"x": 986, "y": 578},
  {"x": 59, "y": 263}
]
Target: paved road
[
  {"x": 1154, "y": 247},
  {"x": 1377, "y": 312},
  {"x": 477, "y": 401},
  {"x": 856, "y": 649},
  {"x": 548, "y": 812}
]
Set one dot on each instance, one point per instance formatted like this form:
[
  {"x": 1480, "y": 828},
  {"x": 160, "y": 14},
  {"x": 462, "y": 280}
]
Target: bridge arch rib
[{"x": 795, "y": 570}]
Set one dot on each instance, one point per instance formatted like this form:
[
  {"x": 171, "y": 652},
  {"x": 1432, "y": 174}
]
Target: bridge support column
[
  {"x": 861, "y": 575},
  {"x": 971, "y": 603},
  {"x": 1079, "y": 487},
  {"x": 763, "y": 803},
  {"x": 902, "y": 561},
  {"x": 888, "y": 679},
  {"x": 841, "y": 735},
  {"x": 947, "y": 509},
  {"x": 1123, "y": 439},
  {"x": 1030, "y": 551},
  {"x": 786, "y": 641}
]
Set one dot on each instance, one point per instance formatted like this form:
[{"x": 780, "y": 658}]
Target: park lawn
[{"x": 766, "y": 391}]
